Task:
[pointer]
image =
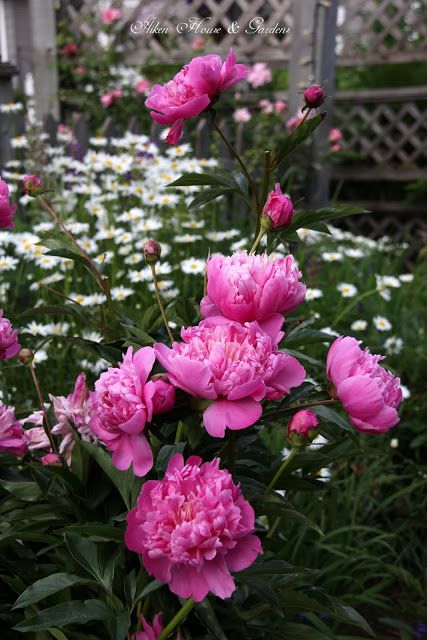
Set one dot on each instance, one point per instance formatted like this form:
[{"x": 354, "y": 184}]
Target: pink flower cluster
[
  {"x": 233, "y": 367},
  {"x": 112, "y": 96},
  {"x": 123, "y": 402},
  {"x": 6, "y": 209},
  {"x": 110, "y": 15},
  {"x": 246, "y": 288},
  {"x": 192, "y": 528},
  {"x": 369, "y": 393},
  {"x": 197, "y": 86},
  {"x": 9, "y": 345},
  {"x": 259, "y": 75}
]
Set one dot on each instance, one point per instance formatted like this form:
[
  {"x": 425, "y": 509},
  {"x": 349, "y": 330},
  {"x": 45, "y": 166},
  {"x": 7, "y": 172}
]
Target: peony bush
[{"x": 148, "y": 502}]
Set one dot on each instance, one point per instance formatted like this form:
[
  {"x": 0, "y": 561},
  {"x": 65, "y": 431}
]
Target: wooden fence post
[
  {"x": 43, "y": 30},
  {"x": 7, "y": 71}
]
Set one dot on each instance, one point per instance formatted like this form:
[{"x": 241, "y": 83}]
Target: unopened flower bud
[
  {"x": 164, "y": 397},
  {"x": 51, "y": 459},
  {"x": 152, "y": 251},
  {"x": 302, "y": 428},
  {"x": 314, "y": 96},
  {"x": 25, "y": 356},
  {"x": 31, "y": 185},
  {"x": 278, "y": 210}
]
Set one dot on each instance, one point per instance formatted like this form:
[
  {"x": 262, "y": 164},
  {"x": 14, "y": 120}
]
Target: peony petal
[
  {"x": 142, "y": 456},
  {"x": 235, "y": 415},
  {"x": 143, "y": 361},
  {"x": 218, "y": 578},
  {"x": 187, "y": 581},
  {"x": 244, "y": 553},
  {"x": 360, "y": 396},
  {"x": 135, "y": 424}
]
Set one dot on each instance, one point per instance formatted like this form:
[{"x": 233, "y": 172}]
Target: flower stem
[
  {"x": 282, "y": 468},
  {"x": 297, "y": 407},
  {"x": 46, "y": 424},
  {"x": 257, "y": 240},
  {"x": 159, "y": 300},
  {"x": 355, "y": 302},
  {"x": 304, "y": 118},
  {"x": 264, "y": 192},
  {"x": 176, "y": 620},
  {"x": 179, "y": 432},
  {"x": 240, "y": 161}
]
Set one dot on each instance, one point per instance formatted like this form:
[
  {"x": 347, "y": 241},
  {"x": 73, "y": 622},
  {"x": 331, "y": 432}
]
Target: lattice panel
[
  {"x": 382, "y": 30},
  {"x": 388, "y": 136}
]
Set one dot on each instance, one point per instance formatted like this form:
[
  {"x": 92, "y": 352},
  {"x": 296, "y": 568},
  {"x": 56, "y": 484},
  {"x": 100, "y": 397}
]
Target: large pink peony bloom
[
  {"x": 9, "y": 345},
  {"x": 12, "y": 435},
  {"x": 369, "y": 393},
  {"x": 6, "y": 209},
  {"x": 192, "y": 528},
  {"x": 246, "y": 288},
  {"x": 233, "y": 366},
  {"x": 192, "y": 90},
  {"x": 150, "y": 632},
  {"x": 73, "y": 412},
  {"x": 122, "y": 404}
]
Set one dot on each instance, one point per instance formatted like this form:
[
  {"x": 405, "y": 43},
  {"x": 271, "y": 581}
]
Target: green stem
[
  {"x": 297, "y": 407},
  {"x": 353, "y": 304},
  {"x": 265, "y": 187},
  {"x": 282, "y": 468},
  {"x": 176, "y": 620},
  {"x": 304, "y": 118},
  {"x": 159, "y": 300},
  {"x": 46, "y": 424},
  {"x": 257, "y": 240},
  {"x": 240, "y": 161},
  {"x": 179, "y": 432}
]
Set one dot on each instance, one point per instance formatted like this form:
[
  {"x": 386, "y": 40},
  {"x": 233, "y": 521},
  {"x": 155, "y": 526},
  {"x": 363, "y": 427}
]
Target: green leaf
[
  {"x": 205, "y": 611},
  {"x": 73, "y": 612},
  {"x": 27, "y": 491},
  {"x": 86, "y": 554},
  {"x": 304, "y": 219},
  {"x": 70, "y": 255},
  {"x": 119, "y": 626},
  {"x": 306, "y": 336},
  {"x": 297, "y": 137},
  {"x": 75, "y": 311},
  {"x": 46, "y": 587},
  {"x": 166, "y": 453},
  {"x": 351, "y": 616},
  {"x": 294, "y": 631},
  {"x": 208, "y": 195},
  {"x": 330, "y": 415},
  {"x": 98, "y": 532},
  {"x": 202, "y": 179}
]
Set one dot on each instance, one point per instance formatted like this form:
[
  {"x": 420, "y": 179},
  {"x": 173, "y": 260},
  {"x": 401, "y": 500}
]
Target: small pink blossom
[
  {"x": 234, "y": 367},
  {"x": 31, "y": 184},
  {"x": 80, "y": 69},
  {"x": 280, "y": 106},
  {"x": 369, "y": 393},
  {"x": 259, "y": 75},
  {"x": 242, "y": 115},
  {"x": 36, "y": 437},
  {"x": 192, "y": 528},
  {"x": 246, "y": 287},
  {"x": 69, "y": 49},
  {"x": 12, "y": 435},
  {"x": 112, "y": 96},
  {"x": 302, "y": 428},
  {"x": 292, "y": 123},
  {"x": 266, "y": 106},
  {"x": 150, "y": 632},
  {"x": 73, "y": 413},
  {"x": 141, "y": 86},
  {"x": 110, "y": 15},
  {"x": 278, "y": 208},
  {"x": 198, "y": 85},
  {"x": 198, "y": 44},
  {"x": 7, "y": 210},
  {"x": 122, "y": 404},
  {"x": 335, "y": 148},
  {"x": 9, "y": 345},
  {"x": 335, "y": 135},
  {"x": 51, "y": 459}
]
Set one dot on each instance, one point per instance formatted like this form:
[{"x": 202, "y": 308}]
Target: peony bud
[
  {"x": 152, "y": 251},
  {"x": 31, "y": 185},
  {"x": 26, "y": 356},
  {"x": 164, "y": 396},
  {"x": 51, "y": 459},
  {"x": 302, "y": 428},
  {"x": 278, "y": 210},
  {"x": 314, "y": 96}
]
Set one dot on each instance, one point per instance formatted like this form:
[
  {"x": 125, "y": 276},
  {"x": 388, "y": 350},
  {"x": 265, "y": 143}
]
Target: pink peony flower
[
  {"x": 12, "y": 435},
  {"x": 151, "y": 632},
  {"x": 122, "y": 404},
  {"x": 107, "y": 99},
  {"x": 110, "y": 15},
  {"x": 51, "y": 459},
  {"x": 259, "y": 75},
  {"x": 80, "y": 69},
  {"x": 198, "y": 44},
  {"x": 369, "y": 393},
  {"x": 36, "y": 436},
  {"x": 314, "y": 96},
  {"x": 9, "y": 345},
  {"x": 278, "y": 209},
  {"x": 233, "y": 367},
  {"x": 74, "y": 413},
  {"x": 335, "y": 135},
  {"x": 193, "y": 89},
  {"x": 246, "y": 288},
  {"x": 192, "y": 528},
  {"x": 6, "y": 209},
  {"x": 141, "y": 86},
  {"x": 69, "y": 49},
  {"x": 242, "y": 115},
  {"x": 266, "y": 106},
  {"x": 280, "y": 106}
]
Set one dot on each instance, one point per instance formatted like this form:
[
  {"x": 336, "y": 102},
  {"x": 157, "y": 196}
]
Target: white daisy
[
  {"x": 347, "y": 290},
  {"x": 359, "y": 325},
  {"x": 193, "y": 265},
  {"x": 382, "y": 324}
]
